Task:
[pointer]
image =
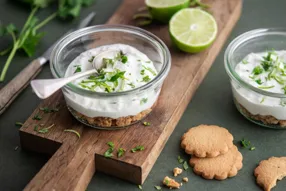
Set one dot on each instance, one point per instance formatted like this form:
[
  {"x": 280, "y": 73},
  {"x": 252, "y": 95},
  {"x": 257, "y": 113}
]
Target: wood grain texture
[
  {"x": 74, "y": 161},
  {"x": 9, "y": 92}
]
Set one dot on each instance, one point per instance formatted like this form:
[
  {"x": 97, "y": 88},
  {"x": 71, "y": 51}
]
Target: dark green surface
[{"x": 212, "y": 104}]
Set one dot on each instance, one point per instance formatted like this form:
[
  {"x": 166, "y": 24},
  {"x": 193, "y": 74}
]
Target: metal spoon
[{"x": 45, "y": 88}]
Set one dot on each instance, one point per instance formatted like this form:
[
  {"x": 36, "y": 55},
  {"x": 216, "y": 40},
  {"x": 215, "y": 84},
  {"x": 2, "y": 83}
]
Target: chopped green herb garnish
[
  {"x": 245, "y": 143},
  {"x": 91, "y": 59},
  {"x": 140, "y": 187},
  {"x": 185, "y": 165},
  {"x": 262, "y": 100},
  {"x": 148, "y": 61},
  {"x": 158, "y": 187},
  {"x": 146, "y": 123},
  {"x": 73, "y": 131},
  {"x": 117, "y": 76},
  {"x": 49, "y": 110},
  {"x": 142, "y": 72},
  {"x": 258, "y": 81},
  {"x": 78, "y": 69},
  {"x": 36, "y": 127},
  {"x": 120, "y": 152},
  {"x": 252, "y": 148},
  {"x": 108, "y": 153},
  {"x": 257, "y": 70},
  {"x": 132, "y": 85},
  {"x": 266, "y": 87},
  {"x": 107, "y": 61},
  {"x": 37, "y": 117},
  {"x": 19, "y": 124},
  {"x": 143, "y": 101},
  {"x": 43, "y": 130},
  {"x": 110, "y": 144},
  {"x": 180, "y": 160},
  {"x": 245, "y": 62},
  {"x": 137, "y": 148},
  {"x": 146, "y": 79},
  {"x": 252, "y": 77},
  {"x": 139, "y": 60},
  {"x": 150, "y": 70},
  {"x": 279, "y": 80},
  {"x": 167, "y": 182},
  {"x": 124, "y": 59}
]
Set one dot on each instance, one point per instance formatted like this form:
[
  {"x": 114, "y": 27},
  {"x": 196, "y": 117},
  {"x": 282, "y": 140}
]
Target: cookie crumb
[
  {"x": 171, "y": 183},
  {"x": 177, "y": 171},
  {"x": 185, "y": 179}
]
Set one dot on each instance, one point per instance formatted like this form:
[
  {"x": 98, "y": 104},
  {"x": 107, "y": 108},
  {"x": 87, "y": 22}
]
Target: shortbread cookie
[
  {"x": 220, "y": 167},
  {"x": 207, "y": 141},
  {"x": 269, "y": 171}
]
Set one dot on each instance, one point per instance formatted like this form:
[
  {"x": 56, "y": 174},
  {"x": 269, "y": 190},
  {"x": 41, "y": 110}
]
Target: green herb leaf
[
  {"x": 91, "y": 59},
  {"x": 185, "y": 165},
  {"x": 43, "y": 130},
  {"x": 142, "y": 72},
  {"x": 49, "y": 110},
  {"x": 78, "y": 69},
  {"x": 140, "y": 187},
  {"x": 257, "y": 70},
  {"x": 143, "y": 101},
  {"x": 110, "y": 144},
  {"x": 30, "y": 45},
  {"x": 180, "y": 160},
  {"x": 108, "y": 153},
  {"x": 19, "y": 124},
  {"x": 132, "y": 85},
  {"x": 258, "y": 81},
  {"x": 167, "y": 182},
  {"x": 124, "y": 59},
  {"x": 37, "y": 117},
  {"x": 117, "y": 76},
  {"x": 120, "y": 152},
  {"x": 146, "y": 123},
  {"x": 245, "y": 143},
  {"x": 252, "y": 148},
  {"x": 284, "y": 88},
  {"x": 146, "y": 79},
  {"x": 158, "y": 187},
  {"x": 150, "y": 70},
  {"x": 137, "y": 148}
]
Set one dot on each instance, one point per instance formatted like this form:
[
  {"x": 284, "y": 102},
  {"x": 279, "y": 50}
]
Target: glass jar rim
[
  {"x": 236, "y": 43},
  {"x": 63, "y": 42}
]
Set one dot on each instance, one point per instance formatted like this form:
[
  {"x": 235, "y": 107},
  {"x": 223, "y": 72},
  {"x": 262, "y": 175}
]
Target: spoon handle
[{"x": 45, "y": 88}]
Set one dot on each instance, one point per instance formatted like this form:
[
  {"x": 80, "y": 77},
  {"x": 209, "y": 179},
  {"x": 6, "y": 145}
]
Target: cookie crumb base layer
[
  {"x": 110, "y": 123},
  {"x": 264, "y": 120}
]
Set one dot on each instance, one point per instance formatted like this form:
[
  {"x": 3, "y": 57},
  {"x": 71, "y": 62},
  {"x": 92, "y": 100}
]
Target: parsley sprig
[{"x": 246, "y": 144}]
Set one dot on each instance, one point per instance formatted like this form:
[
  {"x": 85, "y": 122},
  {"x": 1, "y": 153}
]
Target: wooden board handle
[
  {"x": 9, "y": 92},
  {"x": 69, "y": 169}
]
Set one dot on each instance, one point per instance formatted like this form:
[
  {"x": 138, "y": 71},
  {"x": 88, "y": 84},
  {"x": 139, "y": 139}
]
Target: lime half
[
  {"x": 193, "y": 30},
  {"x": 163, "y": 10}
]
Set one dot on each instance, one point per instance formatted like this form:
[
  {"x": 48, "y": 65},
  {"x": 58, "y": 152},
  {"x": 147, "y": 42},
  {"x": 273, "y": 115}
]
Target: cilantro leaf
[
  {"x": 143, "y": 100},
  {"x": 185, "y": 165},
  {"x": 117, "y": 76},
  {"x": 30, "y": 45},
  {"x": 258, "y": 81},
  {"x": 137, "y": 148},
  {"x": 257, "y": 70},
  {"x": 78, "y": 69},
  {"x": 120, "y": 152}
]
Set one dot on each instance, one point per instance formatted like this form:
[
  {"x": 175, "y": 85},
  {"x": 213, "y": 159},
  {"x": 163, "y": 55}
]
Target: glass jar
[
  {"x": 113, "y": 110},
  {"x": 259, "y": 106}
]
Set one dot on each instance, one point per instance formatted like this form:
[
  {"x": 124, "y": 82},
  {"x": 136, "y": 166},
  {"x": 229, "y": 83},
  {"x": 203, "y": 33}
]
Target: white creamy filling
[
  {"x": 265, "y": 71},
  {"x": 128, "y": 70}
]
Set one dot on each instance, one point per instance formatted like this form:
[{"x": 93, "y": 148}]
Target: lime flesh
[
  {"x": 193, "y": 30},
  {"x": 163, "y": 10}
]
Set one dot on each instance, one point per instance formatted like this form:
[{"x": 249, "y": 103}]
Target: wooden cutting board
[{"x": 75, "y": 161}]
